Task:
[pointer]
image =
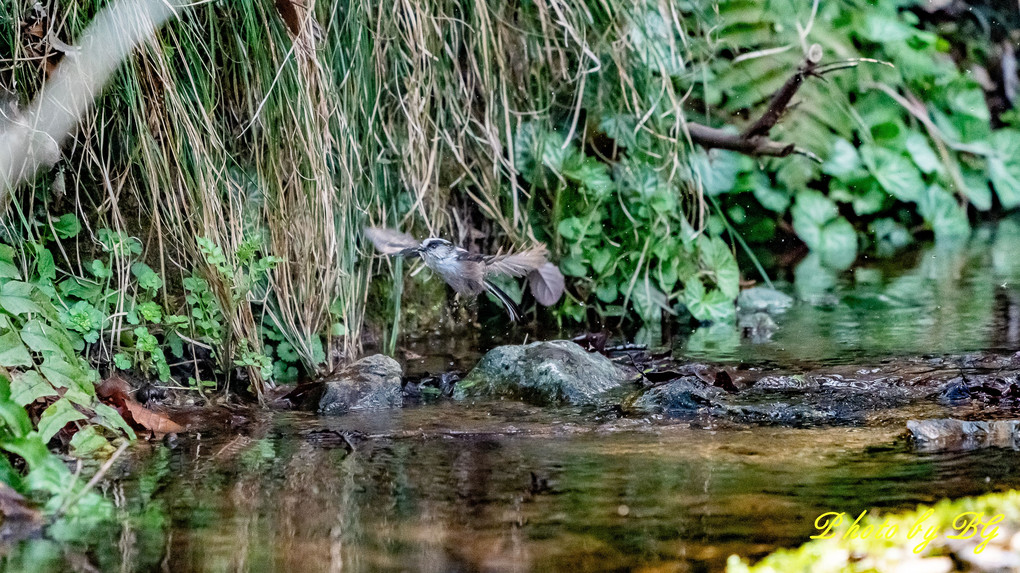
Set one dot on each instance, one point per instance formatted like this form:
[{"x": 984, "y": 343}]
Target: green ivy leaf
[
  {"x": 890, "y": 236},
  {"x": 894, "y": 172},
  {"x": 8, "y": 270},
  {"x": 818, "y": 223},
  {"x": 100, "y": 270},
  {"x": 945, "y": 216},
  {"x": 811, "y": 212},
  {"x": 838, "y": 244},
  {"x": 28, "y": 387},
  {"x": 977, "y": 190},
  {"x": 707, "y": 305},
  {"x": 776, "y": 200},
  {"x": 16, "y": 298},
  {"x": 119, "y": 242},
  {"x": 715, "y": 255},
  {"x": 58, "y": 415},
  {"x": 970, "y": 102},
  {"x": 621, "y": 128},
  {"x": 922, "y": 154},
  {"x": 89, "y": 442},
  {"x": 718, "y": 171},
  {"x": 606, "y": 290},
  {"x": 600, "y": 260},
  {"x": 147, "y": 278},
  {"x": 67, "y": 226},
  {"x": 571, "y": 228},
  {"x": 649, "y": 301},
  {"x": 12, "y": 352},
  {"x": 573, "y": 267},
  {"x": 843, "y": 161},
  {"x": 1004, "y": 166}
]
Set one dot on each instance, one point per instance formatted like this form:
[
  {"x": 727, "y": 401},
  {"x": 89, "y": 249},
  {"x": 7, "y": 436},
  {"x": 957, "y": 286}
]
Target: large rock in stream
[
  {"x": 557, "y": 372},
  {"x": 372, "y": 383},
  {"x": 952, "y": 434},
  {"x": 784, "y": 399}
]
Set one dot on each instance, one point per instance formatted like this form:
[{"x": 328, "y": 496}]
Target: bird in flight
[{"x": 469, "y": 273}]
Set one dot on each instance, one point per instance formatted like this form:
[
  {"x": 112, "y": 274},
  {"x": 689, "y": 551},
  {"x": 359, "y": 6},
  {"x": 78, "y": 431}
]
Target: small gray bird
[{"x": 468, "y": 273}]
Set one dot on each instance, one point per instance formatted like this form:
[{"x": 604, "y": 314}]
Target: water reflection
[
  {"x": 937, "y": 300},
  {"x": 599, "y": 499}
]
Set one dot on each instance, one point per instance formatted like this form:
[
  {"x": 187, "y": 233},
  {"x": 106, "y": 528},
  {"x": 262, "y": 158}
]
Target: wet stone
[
  {"x": 951, "y": 434},
  {"x": 686, "y": 395},
  {"x": 955, "y": 391},
  {"x": 551, "y": 373},
  {"x": 795, "y": 382},
  {"x": 763, "y": 299},
  {"x": 838, "y": 395},
  {"x": 372, "y": 383}
]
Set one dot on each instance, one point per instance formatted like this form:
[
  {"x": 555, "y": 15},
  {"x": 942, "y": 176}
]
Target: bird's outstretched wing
[
  {"x": 391, "y": 242},
  {"x": 547, "y": 284},
  {"x": 516, "y": 264}
]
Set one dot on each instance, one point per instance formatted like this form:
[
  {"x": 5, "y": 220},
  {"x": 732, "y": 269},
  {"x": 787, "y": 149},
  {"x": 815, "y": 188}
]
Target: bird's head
[{"x": 436, "y": 249}]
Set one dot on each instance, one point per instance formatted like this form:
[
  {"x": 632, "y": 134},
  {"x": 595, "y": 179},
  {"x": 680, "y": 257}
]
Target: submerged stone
[
  {"x": 759, "y": 327},
  {"x": 557, "y": 372},
  {"x": 372, "y": 383}
]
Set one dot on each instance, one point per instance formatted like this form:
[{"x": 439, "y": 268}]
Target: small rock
[
  {"x": 542, "y": 373},
  {"x": 787, "y": 382},
  {"x": 956, "y": 391},
  {"x": 685, "y": 395},
  {"x": 763, "y": 299},
  {"x": 372, "y": 383}
]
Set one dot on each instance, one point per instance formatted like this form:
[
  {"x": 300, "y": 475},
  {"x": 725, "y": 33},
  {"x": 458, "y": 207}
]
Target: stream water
[{"x": 502, "y": 486}]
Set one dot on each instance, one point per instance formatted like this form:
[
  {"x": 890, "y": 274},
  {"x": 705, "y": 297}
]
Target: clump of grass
[{"x": 283, "y": 128}]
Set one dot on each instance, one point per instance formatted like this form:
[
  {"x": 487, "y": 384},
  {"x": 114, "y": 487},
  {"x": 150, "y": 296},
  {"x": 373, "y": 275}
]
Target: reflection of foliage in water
[
  {"x": 947, "y": 302},
  {"x": 458, "y": 502}
]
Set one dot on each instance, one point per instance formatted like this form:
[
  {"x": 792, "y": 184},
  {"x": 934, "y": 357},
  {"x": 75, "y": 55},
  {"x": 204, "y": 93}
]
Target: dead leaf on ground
[
  {"x": 14, "y": 506},
  {"x": 116, "y": 392}
]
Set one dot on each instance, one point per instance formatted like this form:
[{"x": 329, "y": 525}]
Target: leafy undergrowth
[
  {"x": 952, "y": 535},
  {"x": 908, "y": 142}
]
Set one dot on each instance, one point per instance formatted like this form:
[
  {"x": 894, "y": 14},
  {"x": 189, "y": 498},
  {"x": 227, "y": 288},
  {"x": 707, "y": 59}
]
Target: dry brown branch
[{"x": 754, "y": 140}]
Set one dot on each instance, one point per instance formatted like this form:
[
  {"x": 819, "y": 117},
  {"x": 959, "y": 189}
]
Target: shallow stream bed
[{"x": 503, "y": 486}]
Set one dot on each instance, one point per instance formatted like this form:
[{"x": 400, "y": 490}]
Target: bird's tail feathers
[
  {"x": 511, "y": 307},
  {"x": 516, "y": 264}
]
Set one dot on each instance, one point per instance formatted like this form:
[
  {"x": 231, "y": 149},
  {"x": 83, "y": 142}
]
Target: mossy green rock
[{"x": 551, "y": 373}]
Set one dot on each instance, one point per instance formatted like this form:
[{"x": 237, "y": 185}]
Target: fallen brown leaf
[
  {"x": 13, "y": 506},
  {"x": 116, "y": 392}
]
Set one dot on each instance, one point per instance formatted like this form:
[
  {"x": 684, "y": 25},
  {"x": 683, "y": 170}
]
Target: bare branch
[{"x": 754, "y": 141}]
